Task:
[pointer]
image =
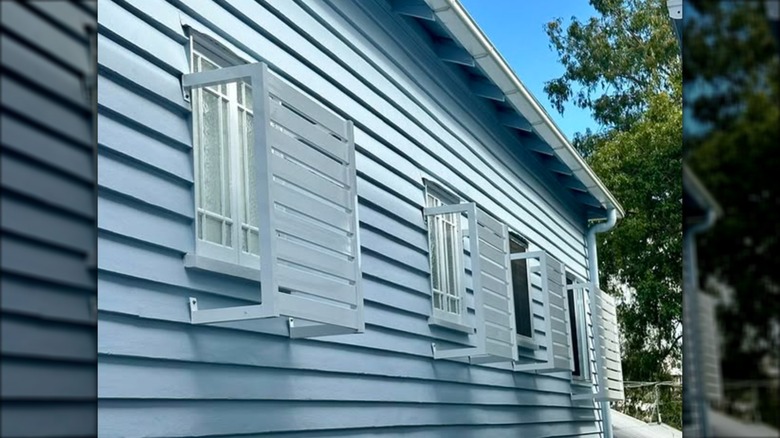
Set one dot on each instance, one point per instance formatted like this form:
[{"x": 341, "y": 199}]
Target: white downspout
[{"x": 594, "y": 278}]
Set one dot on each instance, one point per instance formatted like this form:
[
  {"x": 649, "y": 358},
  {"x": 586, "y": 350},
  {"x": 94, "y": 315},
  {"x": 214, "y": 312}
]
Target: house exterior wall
[
  {"x": 162, "y": 376},
  {"x": 48, "y": 366}
]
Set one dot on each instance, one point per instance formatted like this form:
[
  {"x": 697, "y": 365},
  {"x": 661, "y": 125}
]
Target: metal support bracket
[
  {"x": 455, "y": 353},
  {"x": 306, "y": 329},
  {"x": 228, "y": 314},
  {"x": 185, "y": 94},
  {"x": 193, "y": 306}
]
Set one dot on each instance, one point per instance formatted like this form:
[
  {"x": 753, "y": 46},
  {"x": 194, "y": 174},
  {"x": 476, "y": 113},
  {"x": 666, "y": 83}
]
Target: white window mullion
[
  {"x": 457, "y": 293},
  {"x": 455, "y": 234},
  {"x": 222, "y": 169},
  {"x": 239, "y": 188},
  {"x": 444, "y": 280},
  {"x": 226, "y": 155},
  {"x": 247, "y": 230},
  {"x": 442, "y": 262},
  {"x": 245, "y": 177},
  {"x": 440, "y": 255},
  {"x": 459, "y": 272}
]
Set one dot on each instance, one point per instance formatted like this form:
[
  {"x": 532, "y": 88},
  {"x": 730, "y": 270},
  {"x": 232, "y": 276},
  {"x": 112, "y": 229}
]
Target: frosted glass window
[
  {"x": 250, "y": 236},
  {"x": 445, "y": 250},
  {"x": 225, "y": 181}
]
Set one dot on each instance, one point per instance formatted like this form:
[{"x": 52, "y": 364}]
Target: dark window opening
[
  {"x": 523, "y": 323},
  {"x": 575, "y": 336}
]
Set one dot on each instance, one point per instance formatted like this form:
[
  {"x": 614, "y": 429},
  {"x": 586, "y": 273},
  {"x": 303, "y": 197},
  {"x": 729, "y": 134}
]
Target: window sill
[
  {"x": 581, "y": 383},
  {"x": 526, "y": 343},
  {"x": 205, "y": 264},
  {"x": 451, "y": 325}
]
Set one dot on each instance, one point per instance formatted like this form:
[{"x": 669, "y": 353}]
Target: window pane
[
  {"x": 213, "y": 158},
  {"x": 443, "y": 232},
  {"x": 454, "y": 305},
  {"x": 207, "y": 65},
  {"x": 451, "y": 272},
  {"x": 211, "y": 177},
  {"x": 250, "y": 222},
  {"x": 520, "y": 291},
  {"x": 225, "y": 148},
  {"x": 252, "y": 178},
  {"x": 433, "y": 237},
  {"x": 212, "y": 229},
  {"x": 248, "y": 100},
  {"x": 254, "y": 242},
  {"x": 575, "y": 337}
]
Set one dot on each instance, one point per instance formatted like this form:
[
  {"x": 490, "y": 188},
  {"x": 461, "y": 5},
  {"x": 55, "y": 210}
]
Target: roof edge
[
  {"x": 473, "y": 39},
  {"x": 693, "y": 185}
]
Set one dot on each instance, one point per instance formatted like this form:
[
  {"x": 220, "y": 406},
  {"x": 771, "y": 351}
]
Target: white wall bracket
[{"x": 228, "y": 314}]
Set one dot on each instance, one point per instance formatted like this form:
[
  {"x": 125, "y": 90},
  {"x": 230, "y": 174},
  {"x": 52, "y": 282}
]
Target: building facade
[
  {"x": 48, "y": 299},
  {"x": 333, "y": 218}
]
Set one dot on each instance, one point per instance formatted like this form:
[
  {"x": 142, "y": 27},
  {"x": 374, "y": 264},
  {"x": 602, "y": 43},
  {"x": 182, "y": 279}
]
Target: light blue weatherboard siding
[
  {"x": 48, "y": 371},
  {"x": 161, "y": 376}
]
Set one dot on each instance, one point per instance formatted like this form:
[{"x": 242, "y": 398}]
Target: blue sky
[{"x": 516, "y": 28}]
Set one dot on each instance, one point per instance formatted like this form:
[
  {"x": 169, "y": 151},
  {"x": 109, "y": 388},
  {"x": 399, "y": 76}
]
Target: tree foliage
[
  {"x": 642, "y": 167},
  {"x": 733, "y": 73},
  {"x": 728, "y": 57},
  {"x": 624, "y": 66},
  {"x": 614, "y": 60}
]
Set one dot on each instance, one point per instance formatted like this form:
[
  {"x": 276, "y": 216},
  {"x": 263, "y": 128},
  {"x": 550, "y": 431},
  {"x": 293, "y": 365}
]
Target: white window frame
[
  {"x": 442, "y": 317},
  {"x": 237, "y": 188},
  {"x": 579, "y": 288},
  {"x": 522, "y": 340}
]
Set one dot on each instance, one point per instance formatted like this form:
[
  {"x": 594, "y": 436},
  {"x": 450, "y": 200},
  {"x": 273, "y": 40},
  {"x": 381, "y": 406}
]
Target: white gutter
[
  {"x": 593, "y": 268},
  {"x": 452, "y": 15}
]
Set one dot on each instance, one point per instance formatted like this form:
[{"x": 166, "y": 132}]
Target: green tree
[
  {"x": 613, "y": 61},
  {"x": 733, "y": 73},
  {"x": 624, "y": 66}
]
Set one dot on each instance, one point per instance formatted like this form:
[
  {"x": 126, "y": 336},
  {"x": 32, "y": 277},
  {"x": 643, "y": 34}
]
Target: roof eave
[
  {"x": 695, "y": 188},
  {"x": 452, "y": 15}
]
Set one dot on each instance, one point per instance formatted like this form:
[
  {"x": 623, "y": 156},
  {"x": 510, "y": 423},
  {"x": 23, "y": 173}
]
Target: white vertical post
[{"x": 265, "y": 198}]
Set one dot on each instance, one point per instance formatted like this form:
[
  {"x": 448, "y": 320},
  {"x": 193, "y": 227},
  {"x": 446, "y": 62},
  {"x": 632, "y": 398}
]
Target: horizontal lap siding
[
  {"x": 48, "y": 378},
  {"x": 248, "y": 378}
]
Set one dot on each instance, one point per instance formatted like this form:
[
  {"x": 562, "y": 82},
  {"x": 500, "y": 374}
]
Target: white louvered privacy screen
[
  {"x": 495, "y": 338},
  {"x": 608, "y": 379},
  {"x": 307, "y": 204},
  {"x": 551, "y": 320},
  {"x": 609, "y": 349}
]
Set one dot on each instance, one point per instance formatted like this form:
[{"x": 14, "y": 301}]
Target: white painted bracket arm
[
  {"x": 223, "y": 75},
  {"x": 305, "y": 329},
  {"x": 448, "y": 209},
  {"x": 228, "y": 314},
  {"x": 453, "y": 353}
]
